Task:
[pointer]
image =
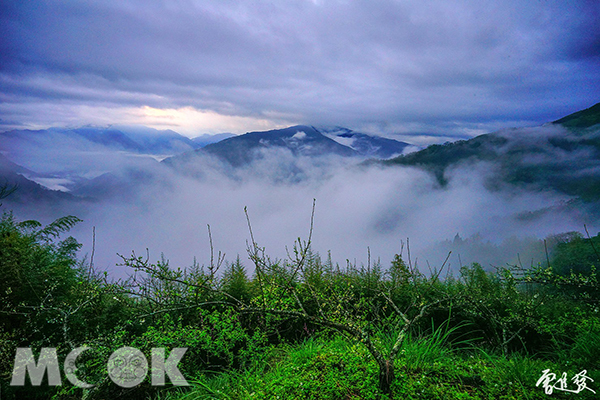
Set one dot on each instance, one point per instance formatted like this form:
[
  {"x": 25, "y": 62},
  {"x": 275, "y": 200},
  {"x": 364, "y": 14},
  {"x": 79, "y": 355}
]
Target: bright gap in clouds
[
  {"x": 190, "y": 122},
  {"x": 187, "y": 121}
]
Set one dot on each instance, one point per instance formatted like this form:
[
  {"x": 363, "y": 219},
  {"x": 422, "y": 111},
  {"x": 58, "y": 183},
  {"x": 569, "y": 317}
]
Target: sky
[{"x": 430, "y": 69}]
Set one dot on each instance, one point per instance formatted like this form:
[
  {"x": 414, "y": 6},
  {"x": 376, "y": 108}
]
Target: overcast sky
[{"x": 447, "y": 68}]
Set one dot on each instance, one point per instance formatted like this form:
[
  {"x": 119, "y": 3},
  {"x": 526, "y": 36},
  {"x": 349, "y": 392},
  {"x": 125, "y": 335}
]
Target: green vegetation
[
  {"x": 303, "y": 327},
  {"x": 438, "y": 158},
  {"x": 582, "y": 119}
]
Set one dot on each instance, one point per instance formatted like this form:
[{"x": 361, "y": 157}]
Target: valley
[{"x": 161, "y": 190}]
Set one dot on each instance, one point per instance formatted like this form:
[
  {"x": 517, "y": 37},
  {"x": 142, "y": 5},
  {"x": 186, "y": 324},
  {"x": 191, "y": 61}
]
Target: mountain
[
  {"x": 365, "y": 145},
  {"x": 86, "y": 162},
  {"x": 136, "y": 139},
  {"x": 8, "y": 167},
  {"x": 108, "y": 137},
  {"x": 27, "y": 191},
  {"x": 119, "y": 184},
  {"x": 206, "y": 139},
  {"x": 299, "y": 140},
  {"x": 154, "y": 141},
  {"x": 563, "y": 156},
  {"x": 581, "y": 119}
]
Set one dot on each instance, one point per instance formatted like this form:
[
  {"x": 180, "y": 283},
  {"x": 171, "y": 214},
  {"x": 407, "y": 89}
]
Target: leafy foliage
[
  {"x": 577, "y": 255},
  {"x": 302, "y": 327}
]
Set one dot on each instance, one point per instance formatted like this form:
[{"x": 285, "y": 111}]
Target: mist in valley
[{"x": 135, "y": 203}]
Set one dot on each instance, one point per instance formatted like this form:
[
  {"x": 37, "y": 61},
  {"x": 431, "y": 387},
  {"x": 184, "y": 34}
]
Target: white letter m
[{"x": 25, "y": 362}]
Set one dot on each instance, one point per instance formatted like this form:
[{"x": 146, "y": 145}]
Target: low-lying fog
[{"x": 166, "y": 210}]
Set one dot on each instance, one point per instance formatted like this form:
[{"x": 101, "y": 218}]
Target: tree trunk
[{"x": 386, "y": 376}]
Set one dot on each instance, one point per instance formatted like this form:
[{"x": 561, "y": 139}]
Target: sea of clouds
[{"x": 161, "y": 210}]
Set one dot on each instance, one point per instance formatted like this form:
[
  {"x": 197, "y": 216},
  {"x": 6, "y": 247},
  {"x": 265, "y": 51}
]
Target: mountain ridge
[
  {"x": 581, "y": 119},
  {"x": 302, "y": 140},
  {"x": 135, "y": 139},
  {"x": 563, "y": 156}
]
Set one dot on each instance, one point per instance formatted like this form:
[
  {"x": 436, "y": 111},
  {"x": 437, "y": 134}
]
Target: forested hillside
[{"x": 563, "y": 156}]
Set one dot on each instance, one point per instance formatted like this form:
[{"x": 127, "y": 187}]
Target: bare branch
[
  {"x": 591, "y": 242},
  {"x": 91, "y": 269}
]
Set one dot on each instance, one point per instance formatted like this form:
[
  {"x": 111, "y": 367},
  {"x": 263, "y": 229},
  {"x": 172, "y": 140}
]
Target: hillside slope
[
  {"x": 300, "y": 140},
  {"x": 563, "y": 156}
]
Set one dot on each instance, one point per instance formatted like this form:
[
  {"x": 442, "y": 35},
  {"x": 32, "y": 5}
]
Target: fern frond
[
  {"x": 54, "y": 229},
  {"x": 29, "y": 224}
]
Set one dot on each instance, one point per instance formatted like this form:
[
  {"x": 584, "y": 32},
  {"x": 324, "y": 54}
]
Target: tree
[
  {"x": 38, "y": 274},
  {"x": 360, "y": 303}
]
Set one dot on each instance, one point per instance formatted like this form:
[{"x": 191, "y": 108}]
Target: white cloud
[
  {"x": 186, "y": 121},
  {"x": 356, "y": 207},
  {"x": 299, "y": 135}
]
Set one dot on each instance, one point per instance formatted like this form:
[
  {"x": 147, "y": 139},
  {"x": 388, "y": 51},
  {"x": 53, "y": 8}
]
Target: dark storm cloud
[{"x": 340, "y": 62}]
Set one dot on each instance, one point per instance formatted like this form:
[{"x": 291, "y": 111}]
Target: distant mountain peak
[
  {"x": 303, "y": 140},
  {"x": 137, "y": 139},
  {"x": 366, "y": 145},
  {"x": 206, "y": 139}
]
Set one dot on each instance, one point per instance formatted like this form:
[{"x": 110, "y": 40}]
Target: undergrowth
[{"x": 301, "y": 328}]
